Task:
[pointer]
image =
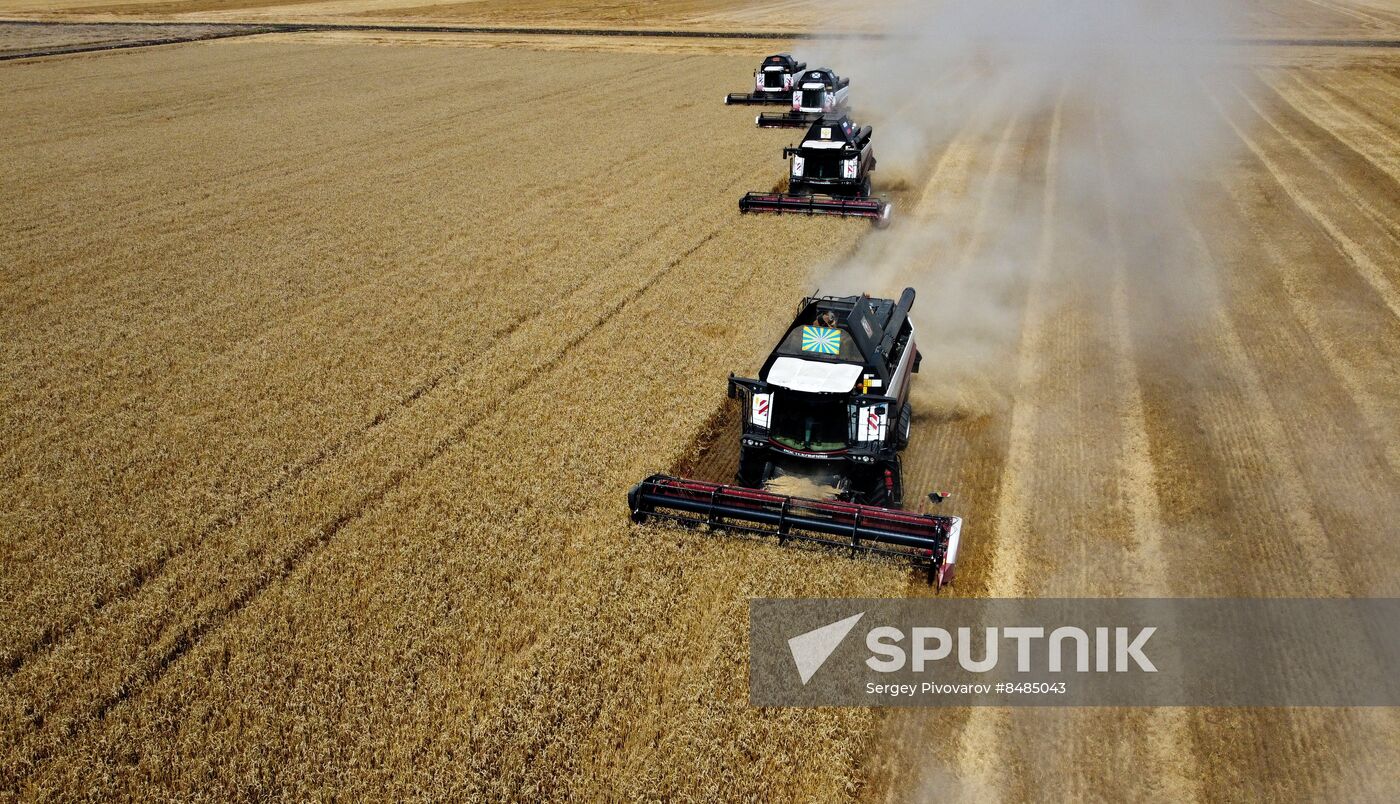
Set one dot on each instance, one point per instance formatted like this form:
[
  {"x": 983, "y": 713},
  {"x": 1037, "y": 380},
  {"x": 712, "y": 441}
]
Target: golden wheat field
[{"x": 329, "y": 357}]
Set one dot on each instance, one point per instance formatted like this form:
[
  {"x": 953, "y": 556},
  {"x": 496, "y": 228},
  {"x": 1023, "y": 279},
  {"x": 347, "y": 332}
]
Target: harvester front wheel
[
  {"x": 886, "y": 486},
  {"x": 906, "y": 421},
  {"x": 753, "y": 469},
  {"x": 896, "y": 475}
]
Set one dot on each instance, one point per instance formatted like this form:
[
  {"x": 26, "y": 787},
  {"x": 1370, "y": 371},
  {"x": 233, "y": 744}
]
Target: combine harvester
[
  {"x": 772, "y": 82},
  {"x": 829, "y": 174},
  {"x": 818, "y": 93},
  {"x": 831, "y": 405}
]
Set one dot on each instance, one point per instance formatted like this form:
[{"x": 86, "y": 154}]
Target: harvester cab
[
  {"x": 772, "y": 82},
  {"x": 832, "y": 401},
  {"x": 816, "y": 93},
  {"x": 830, "y": 405},
  {"x": 835, "y": 158},
  {"x": 828, "y": 174}
]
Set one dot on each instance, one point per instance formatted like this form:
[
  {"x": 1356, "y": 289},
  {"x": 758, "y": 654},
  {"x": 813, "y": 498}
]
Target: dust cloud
[{"x": 1032, "y": 148}]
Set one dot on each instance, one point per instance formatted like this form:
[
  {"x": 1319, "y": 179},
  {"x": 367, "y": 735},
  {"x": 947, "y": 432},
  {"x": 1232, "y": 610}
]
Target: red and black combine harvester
[
  {"x": 828, "y": 174},
  {"x": 772, "y": 82},
  {"x": 831, "y": 405}
]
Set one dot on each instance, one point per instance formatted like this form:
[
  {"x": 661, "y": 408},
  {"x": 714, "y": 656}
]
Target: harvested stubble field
[
  {"x": 1223, "y": 424},
  {"x": 20, "y": 38},
  {"x": 326, "y": 366}
]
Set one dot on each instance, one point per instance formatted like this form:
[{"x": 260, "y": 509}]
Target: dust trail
[
  {"x": 1137, "y": 70},
  {"x": 1140, "y": 65}
]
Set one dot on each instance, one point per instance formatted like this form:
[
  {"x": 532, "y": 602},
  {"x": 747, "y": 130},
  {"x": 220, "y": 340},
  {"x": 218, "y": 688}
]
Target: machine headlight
[{"x": 797, "y": 165}]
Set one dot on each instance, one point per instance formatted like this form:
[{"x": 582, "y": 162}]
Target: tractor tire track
[
  {"x": 1352, "y": 358},
  {"x": 1166, "y": 731},
  {"x": 1376, "y": 143},
  {"x": 963, "y": 451},
  {"x": 138, "y": 576},
  {"x": 278, "y": 568},
  {"x": 733, "y": 176},
  {"x": 1357, "y": 254},
  {"x": 987, "y": 729},
  {"x": 1355, "y": 177},
  {"x": 568, "y": 583},
  {"x": 69, "y": 50},
  {"x": 1269, "y": 533},
  {"x": 153, "y": 568}
]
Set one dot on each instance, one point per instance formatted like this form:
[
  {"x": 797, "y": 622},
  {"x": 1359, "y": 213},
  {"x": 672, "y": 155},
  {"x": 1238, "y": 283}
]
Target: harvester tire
[
  {"x": 878, "y": 494},
  {"x": 896, "y": 497},
  {"x": 752, "y": 470},
  {"x": 906, "y": 421}
]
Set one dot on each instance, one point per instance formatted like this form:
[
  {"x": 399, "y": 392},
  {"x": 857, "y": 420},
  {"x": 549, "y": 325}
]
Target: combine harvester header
[
  {"x": 876, "y": 209},
  {"x": 929, "y": 541}
]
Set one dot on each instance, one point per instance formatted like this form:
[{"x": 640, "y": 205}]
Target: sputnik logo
[{"x": 811, "y": 650}]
